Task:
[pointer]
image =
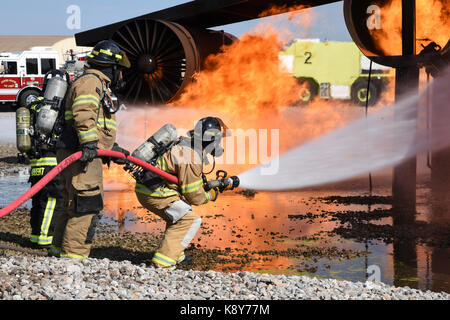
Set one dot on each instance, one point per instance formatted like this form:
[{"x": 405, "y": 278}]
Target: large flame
[
  {"x": 432, "y": 24},
  {"x": 245, "y": 78},
  {"x": 247, "y": 86}
]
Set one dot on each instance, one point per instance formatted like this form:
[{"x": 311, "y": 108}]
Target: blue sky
[{"x": 48, "y": 17}]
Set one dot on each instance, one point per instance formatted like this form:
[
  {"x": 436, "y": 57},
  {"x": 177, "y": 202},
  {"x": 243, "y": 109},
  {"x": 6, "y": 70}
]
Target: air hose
[{"x": 67, "y": 162}]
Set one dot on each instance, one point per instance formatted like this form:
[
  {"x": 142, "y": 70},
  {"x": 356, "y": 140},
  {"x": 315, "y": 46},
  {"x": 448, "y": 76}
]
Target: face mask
[
  {"x": 217, "y": 152},
  {"x": 118, "y": 84},
  {"x": 215, "y": 148}
]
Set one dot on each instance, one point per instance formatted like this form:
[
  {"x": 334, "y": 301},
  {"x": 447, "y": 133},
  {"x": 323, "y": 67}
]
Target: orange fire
[
  {"x": 292, "y": 10},
  {"x": 246, "y": 78},
  {"x": 247, "y": 87},
  {"x": 432, "y": 24}
]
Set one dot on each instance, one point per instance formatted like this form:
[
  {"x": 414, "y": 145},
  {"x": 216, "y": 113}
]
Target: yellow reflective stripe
[
  {"x": 48, "y": 214},
  {"x": 163, "y": 260},
  {"x": 191, "y": 187},
  {"x": 72, "y": 255},
  {"x": 118, "y": 56},
  {"x": 87, "y": 135},
  {"x": 162, "y": 164},
  {"x": 111, "y": 124},
  {"x": 54, "y": 250},
  {"x": 181, "y": 257},
  {"x": 208, "y": 196},
  {"x": 109, "y": 53},
  {"x": 68, "y": 115},
  {"x": 41, "y": 239},
  {"x": 212, "y": 133},
  {"x": 157, "y": 193},
  {"x": 87, "y": 98},
  {"x": 44, "y": 162}
]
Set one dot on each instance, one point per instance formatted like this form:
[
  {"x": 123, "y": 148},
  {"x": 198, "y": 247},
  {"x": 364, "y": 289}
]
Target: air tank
[
  {"x": 46, "y": 120},
  {"x": 163, "y": 137},
  {"x": 47, "y": 116},
  {"x": 56, "y": 88},
  {"x": 23, "y": 138}
]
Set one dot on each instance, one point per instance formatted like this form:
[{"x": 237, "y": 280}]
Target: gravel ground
[{"x": 49, "y": 278}]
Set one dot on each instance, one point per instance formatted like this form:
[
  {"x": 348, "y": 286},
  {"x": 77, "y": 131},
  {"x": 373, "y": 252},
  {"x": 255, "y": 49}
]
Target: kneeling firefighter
[
  {"x": 184, "y": 158},
  {"x": 38, "y": 142},
  {"x": 90, "y": 124}
]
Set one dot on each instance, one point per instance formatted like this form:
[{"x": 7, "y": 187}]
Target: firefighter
[
  {"x": 89, "y": 125},
  {"x": 46, "y": 205},
  {"x": 173, "y": 203}
]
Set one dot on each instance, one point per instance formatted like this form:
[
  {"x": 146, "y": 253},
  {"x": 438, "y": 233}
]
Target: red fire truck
[{"x": 22, "y": 73}]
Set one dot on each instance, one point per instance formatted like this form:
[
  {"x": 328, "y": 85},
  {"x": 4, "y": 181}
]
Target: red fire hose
[{"x": 71, "y": 159}]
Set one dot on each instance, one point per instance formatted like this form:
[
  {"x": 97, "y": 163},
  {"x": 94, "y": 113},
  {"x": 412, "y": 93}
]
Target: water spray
[{"x": 384, "y": 139}]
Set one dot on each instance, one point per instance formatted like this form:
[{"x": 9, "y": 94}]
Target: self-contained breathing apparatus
[
  {"x": 158, "y": 144},
  {"x": 150, "y": 151},
  {"x": 40, "y": 124}
]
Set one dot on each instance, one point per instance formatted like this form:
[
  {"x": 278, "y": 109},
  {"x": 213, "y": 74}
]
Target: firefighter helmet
[
  {"x": 107, "y": 53},
  {"x": 208, "y": 129},
  {"x": 210, "y": 132}
]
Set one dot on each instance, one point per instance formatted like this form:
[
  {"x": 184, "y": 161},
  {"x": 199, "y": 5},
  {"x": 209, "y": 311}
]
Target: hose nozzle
[{"x": 223, "y": 184}]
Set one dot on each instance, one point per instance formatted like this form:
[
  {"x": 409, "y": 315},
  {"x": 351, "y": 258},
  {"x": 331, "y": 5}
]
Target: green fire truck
[{"x": 334, "y": 70}]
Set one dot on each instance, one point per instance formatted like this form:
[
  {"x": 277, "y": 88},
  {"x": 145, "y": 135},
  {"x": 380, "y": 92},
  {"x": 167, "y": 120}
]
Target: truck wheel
[
  {"x": 359, "y": 93},
  {"x": 307, "y": 92},
  {"x": 28, "y": 96}
]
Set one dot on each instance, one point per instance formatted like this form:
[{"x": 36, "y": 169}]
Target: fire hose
[{"x": 67, "y": 162}]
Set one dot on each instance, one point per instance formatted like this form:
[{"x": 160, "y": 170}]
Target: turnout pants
[
  {"x": 83, "y": 208},
  {"x": 182, "y": 225},
  {"x": 47, "y": 203}
]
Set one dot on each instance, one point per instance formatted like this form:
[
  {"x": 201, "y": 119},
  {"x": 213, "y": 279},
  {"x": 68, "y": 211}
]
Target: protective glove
[
  {"x": 122, "y": 150},
  {"x": 214, "y": 193},
  {"x": 89, "y": 150}
]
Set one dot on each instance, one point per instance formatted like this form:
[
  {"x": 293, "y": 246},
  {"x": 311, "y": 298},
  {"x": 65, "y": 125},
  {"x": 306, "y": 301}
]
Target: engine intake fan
[{"x": 164, "y": 57}]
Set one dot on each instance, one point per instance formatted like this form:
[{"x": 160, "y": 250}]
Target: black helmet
[
  {"x": 106, "y": 53},
  {"x": 210, "y": 132}
]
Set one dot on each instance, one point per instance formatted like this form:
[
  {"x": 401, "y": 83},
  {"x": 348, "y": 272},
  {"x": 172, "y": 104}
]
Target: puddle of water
[
  {"x": 13, "y": 186},
  {"x": 302, "y": 233}
]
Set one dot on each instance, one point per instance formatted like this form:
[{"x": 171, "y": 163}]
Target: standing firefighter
[
  {"x": 47, "y": 203},
  {"x": 89, "y": 124},
  {"x": 173, "y": 203}
]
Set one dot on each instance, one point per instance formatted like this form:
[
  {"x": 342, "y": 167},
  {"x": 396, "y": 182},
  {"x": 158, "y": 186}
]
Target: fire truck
[
  {"x": 22, "y": 74},
  {"x": 334, "y": 70}
]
